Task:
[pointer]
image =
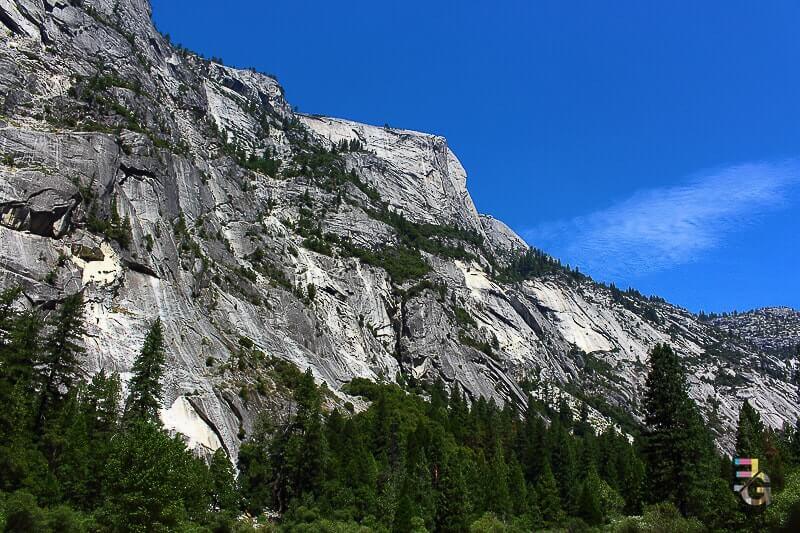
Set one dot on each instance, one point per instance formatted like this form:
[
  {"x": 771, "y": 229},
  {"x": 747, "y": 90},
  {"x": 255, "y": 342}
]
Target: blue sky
[{"x": 653, "y": 144}]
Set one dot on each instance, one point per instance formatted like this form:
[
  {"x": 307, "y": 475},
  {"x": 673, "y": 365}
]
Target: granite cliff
[{"x": 162, "y": 184}]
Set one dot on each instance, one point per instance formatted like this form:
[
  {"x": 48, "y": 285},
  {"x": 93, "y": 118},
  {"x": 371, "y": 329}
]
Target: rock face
[
  {"x": 164, "y": 185},
  {"x": 772, "y": 329}
]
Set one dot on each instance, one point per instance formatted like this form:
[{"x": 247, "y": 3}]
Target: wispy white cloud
[{"x": 659, "y": 228}]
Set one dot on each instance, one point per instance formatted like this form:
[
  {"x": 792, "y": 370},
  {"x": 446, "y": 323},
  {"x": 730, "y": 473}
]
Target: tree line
[{"x": 77, "y": 456}]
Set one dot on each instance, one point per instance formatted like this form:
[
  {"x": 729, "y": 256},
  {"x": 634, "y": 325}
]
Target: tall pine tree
[
  {"x": 548, "y": 499},
  {"x": 749, "y": 433},
  {"x": 144, "y": 399},
  {"x": 60, "y": 364},
  {"x": 675, "y": 445}
]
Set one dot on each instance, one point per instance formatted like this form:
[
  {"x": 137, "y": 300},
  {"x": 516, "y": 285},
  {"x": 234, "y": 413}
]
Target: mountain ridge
[{"x": 165, "y": 185}]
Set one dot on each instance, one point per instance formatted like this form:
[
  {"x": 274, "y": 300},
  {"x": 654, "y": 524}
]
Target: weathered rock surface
[
  {"x": 773, "y": 329},
  {"x": 246, "y": 243}
]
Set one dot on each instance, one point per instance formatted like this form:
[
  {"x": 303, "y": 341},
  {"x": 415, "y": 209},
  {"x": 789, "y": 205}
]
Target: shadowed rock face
[
  {"x": 46, "y": 213},
  {"x": 255, "y": 244}
]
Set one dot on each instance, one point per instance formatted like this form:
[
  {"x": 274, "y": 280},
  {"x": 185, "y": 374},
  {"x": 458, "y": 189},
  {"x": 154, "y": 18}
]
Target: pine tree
[
  {"x": 458, "y": 412},
  {"x": 548, "y": 496},
  {"x": 498, "y": 498},
  {"x": 631, "y": 471},
  {"x": 22, "y": 462},
  {"x": 19, "y": 355},
  {"x": 100, "y": 405},
  {"x": 531, "y": 442},
  {"x": 60, "y": 364},
  {"x": 517, "y": 488},
  {"x": 300, "y": 452},
  {"x": 676, "y": 446},
  {"x": 359, "y": 469},
  {"x": 153, "y": 482},
  {"x": 582, "y": 426},
  {"x": 417, "y": 497},
  {"x": 73, "y": 448},
  {"x": 7, "y": 314},
  {"x": 452, "y": 509},
  {"x": 144, "y": 398},
  {"x": 437, "y": 407},
  {"x": 255, "y": 468},
  {"x": 749, "y": 433},
  {"x": 589, "y": 504},
  {"x": 795, "y": 443},
  {"x": 564, "y": 464},
  {"x": 224, "y": 495}
]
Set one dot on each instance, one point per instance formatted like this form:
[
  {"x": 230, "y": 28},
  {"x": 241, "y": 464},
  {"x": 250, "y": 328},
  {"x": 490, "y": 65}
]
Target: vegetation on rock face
[
  {"x": 72, "y": 460},
  {"x": 400, "y": 262}
]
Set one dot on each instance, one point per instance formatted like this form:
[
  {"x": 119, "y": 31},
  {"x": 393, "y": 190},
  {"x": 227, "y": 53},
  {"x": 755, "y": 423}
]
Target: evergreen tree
[
  {"x": 795, "y": 443},
  {"x": 631, "y": 472},
  {"x": 299, "y": 453},
  {"x": 7, "y": 312},
  {"x": 144, "y": 399},
  {"x": 100, "y": 405},
  {"x": 255, "y": 468},
  {"x": 417, "y": 497},
  {"x": 458, "y": 412},
  {"x": 498, "y": 498},
  {"x": 582, "y": 426},
  {"x": 73, "y": 446},
  {"x": 675, "y": 446},
  {"x": 589, "y": 504},
  {"x": 452, "y": 509},
  {"x": 60, "y": 364},
  {"x": 359, "y": 469},
  {"x": 224, "y": 495},
  {"x": 531, "y": 443},
  {"x": 564, "y": 464},
  {"x": 19, "y": 354},
  {"x": 437, "y": 407},
  {"x": 548, "y": 497},
  {"x": 518, "y": 488},
  {"x": 749, "y": 433},
  {"x": 22, "y": 463},
  {"x": 153, "y": 482}
]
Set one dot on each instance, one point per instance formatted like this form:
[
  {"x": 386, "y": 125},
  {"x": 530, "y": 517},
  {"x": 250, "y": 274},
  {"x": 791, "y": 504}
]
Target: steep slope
[
  {"x": 164, "y": 185},
  {"x": 772, "y": 329}
]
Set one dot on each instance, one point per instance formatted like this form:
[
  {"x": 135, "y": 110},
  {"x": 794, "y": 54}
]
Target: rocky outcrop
[
  {"x": 165, "y": 185},
  {"x": 773, "y": 329}
]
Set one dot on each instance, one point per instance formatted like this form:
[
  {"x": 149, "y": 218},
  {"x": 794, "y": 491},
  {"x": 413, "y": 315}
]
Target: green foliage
[
  {"x": 66, "y": 459},
  {"x": 432, "y": 238},
  {"x": 115, "y": 227},
  {"x": 659, "y": 518},
  {"x": 682, "y": 467},
  {"x": 531, "y": 264},
  {"x": 144, "y": 399},
  {"x": 60, "y": 359},
  {"x": 674, "y": 447},
  {"x": 784, "y": 512},
  {"x": 749, "y": 433},
  {"x": 548, "y": 499},
  {"x": 405, "y": 463},
  {"x": 264, "y": 164},
  {"x": 269, "y": 269},
  {"x": 590, "y": 506},
  {"x": 482, "y": 346},
  {"x": 186, "y": 243},
  {"x": 152, "y": 481},
  {"x": 463, "y": 318},
  {"x": 400, "y": 262}
]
